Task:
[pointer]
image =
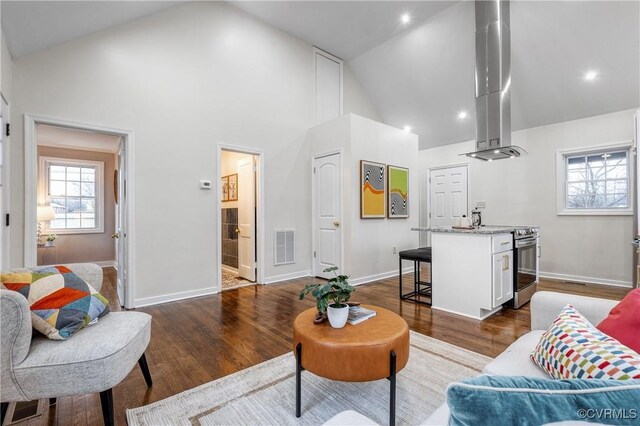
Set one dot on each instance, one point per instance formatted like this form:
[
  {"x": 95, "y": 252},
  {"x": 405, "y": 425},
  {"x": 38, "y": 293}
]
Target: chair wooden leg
[
  {"x": 5, "y": 406},
  {"x": 106, "y": 400},
  {"x": 145, "y": 370}
]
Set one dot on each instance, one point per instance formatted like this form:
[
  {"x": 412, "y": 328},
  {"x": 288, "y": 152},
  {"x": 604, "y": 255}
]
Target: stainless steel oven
[{"x": 525, "y": 265}]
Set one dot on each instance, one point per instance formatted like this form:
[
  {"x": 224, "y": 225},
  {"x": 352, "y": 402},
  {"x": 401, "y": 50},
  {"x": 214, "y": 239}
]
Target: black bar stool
[{"x": 421, "y": 289}]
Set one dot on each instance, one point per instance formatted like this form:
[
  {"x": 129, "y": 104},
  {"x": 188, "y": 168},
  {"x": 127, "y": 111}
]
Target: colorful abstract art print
[
  {"x": 373, "y": 182},
  {"x": 398, "y": 202}
]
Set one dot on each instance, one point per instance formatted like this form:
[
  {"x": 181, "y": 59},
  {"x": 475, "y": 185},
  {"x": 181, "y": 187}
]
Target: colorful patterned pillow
[
  {"x": 574, "y": 349},
  {"x": 61, "y": 303}
]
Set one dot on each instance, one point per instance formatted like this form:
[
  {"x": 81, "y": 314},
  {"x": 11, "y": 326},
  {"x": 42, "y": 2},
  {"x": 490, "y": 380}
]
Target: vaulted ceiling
[{"x": 420, "y": 73}]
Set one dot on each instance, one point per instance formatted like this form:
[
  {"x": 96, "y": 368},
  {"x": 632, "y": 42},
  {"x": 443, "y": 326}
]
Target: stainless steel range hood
[{"x": 493, "y": 82}]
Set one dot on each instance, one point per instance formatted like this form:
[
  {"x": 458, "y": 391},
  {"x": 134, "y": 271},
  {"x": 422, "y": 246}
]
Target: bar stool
[{"x": 421, "y": 288}]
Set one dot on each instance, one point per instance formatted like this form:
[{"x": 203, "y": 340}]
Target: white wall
[
  {"x": 523, "y": 192},
  {"x": 6, "y": 68},
  {"x": 368, "y": 243},
  {"x": 184, "y": 80}
]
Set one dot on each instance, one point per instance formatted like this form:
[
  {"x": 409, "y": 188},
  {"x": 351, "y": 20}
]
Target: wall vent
[{"x": 285, "y": 246}]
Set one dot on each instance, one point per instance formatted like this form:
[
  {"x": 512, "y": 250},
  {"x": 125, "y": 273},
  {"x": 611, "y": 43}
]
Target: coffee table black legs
[
  {"x": 391, "y": 378},
  {"x": 392, "y": 388},
  {"x": 298, "y": 378}
]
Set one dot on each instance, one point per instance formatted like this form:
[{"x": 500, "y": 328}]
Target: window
[
  {"x": 595, "y": 182},
  {"x": 74, "y": 190}
]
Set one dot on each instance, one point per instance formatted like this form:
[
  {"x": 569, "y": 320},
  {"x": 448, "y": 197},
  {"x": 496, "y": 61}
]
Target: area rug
[
  {"x": 231, "y": 280},
  {"x": 265, "y": 394}
]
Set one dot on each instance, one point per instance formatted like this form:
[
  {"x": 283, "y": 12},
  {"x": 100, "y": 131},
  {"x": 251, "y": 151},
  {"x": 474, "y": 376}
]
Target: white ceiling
[
  {"x": 344, "y": 28},
  {"x": 60, "y": 137},
  {"x": 421, "y": 74},
  {"x": 30, "y": 26}
]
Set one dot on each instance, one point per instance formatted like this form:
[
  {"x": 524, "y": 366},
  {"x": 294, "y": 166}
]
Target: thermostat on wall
[{"x": 205, "y": 184}]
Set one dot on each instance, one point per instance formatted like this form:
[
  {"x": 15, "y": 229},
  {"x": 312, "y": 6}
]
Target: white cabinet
[{"x": 502, "y": 278}]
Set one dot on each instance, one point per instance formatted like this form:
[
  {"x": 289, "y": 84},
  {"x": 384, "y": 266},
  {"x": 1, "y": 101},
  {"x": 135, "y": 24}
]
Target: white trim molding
[
  {"x": 30, "y": 191},
  {"x": 105, "y": 263},
  {"x": 173, "y": 297},
  {"x": 380, "y": 276},
  {"x": 260, "y": 204},
  {"x": 44, "y": 197},
  {"x": 584, "y": 280},
  {"x": 561, "y": 180},
  {"x": 285, "y": 277}
]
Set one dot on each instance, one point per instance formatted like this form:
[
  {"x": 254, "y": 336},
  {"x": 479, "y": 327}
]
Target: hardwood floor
[{"x": 202, "y": 339}]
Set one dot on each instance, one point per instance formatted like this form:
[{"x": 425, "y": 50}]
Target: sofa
[{"x": 514, "y": 361}]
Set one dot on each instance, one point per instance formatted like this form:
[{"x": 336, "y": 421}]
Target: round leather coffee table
[{"x": 374, "y": 349}]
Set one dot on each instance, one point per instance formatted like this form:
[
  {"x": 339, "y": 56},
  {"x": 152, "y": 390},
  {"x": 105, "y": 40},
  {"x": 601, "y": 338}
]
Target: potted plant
[
  {"x": 332, "y": 297},
  {"x": 50, "y": 239}
]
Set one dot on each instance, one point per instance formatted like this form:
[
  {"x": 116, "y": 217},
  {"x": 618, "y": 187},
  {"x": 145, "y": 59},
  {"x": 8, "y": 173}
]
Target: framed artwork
[
  {"x": 233, "y": 187},
  {"x": 225, "y": 188},
  {"x": 373, "y": 185},
  {"x": 398, "y": 199}
]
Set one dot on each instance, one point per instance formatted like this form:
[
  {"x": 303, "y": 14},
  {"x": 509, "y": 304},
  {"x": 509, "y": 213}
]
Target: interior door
[
  {"x": 448, "y": 195},
  {"x": 327, "y": 214},
  {"x": 121, "y": 226},
  {"x": 328, "y": 87},
  {"x": 247, "y": 219},
  {"x": 4, "y": 185}
]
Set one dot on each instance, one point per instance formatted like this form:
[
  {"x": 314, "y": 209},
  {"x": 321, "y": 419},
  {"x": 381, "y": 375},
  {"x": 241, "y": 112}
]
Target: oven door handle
[{"x": 526, "y": 242}]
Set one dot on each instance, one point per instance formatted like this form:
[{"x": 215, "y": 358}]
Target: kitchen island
[{"x": 472, "y": 269}]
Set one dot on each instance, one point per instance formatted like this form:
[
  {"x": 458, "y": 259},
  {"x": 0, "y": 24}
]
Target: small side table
[
  {"x": 42, "y": 251},
  {"x": 374, "y": 349}
]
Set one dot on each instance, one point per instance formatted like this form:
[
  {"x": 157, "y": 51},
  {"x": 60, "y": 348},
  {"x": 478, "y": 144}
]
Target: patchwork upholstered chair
[{"x": 95, "y": 359}]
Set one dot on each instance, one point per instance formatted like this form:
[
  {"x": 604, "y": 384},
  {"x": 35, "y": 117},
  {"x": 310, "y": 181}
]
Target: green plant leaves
[{"x": 337, "y": 291}]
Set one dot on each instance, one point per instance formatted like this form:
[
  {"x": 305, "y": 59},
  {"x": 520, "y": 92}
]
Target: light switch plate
[
  {"x": 205, "y": 184},
  {"x": 481, "y": 204}
]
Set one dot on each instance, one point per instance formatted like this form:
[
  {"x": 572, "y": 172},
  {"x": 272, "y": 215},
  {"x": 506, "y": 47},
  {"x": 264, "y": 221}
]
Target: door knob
[
  {"x": 237, "y": 230},
  {"x": 336, "y": 223},
  {"x": 116, "y": 235}
]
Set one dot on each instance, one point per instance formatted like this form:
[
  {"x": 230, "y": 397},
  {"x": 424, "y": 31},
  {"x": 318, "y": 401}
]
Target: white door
[
  {"x": 4, "y": 185},
  {"x": 121, "y": 222},
  {"x": 448, "y": 195},
  {"x": 328, "y": 87},
  {"x": 327, "y": 214},
  {"x": 247, "y": 219}
]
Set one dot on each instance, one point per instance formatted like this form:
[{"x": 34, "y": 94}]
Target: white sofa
[{"x": 514, "y": 361}]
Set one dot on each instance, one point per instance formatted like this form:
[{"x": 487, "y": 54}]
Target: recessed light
[
  {"x": 407, "y": 129},
  {"x": 490, "y": 159},
  {"x": 497, "y": 151},
  {"x": 473, "y": 155},
  {"x": 462, "y": 115},
  {"x": 590, "y": 75},
  {"x": 513, "y": 156},
  {"x": 405, "y": 18}
]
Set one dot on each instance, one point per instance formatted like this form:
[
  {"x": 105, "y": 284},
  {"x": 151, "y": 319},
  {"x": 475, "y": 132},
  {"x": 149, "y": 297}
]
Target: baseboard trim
[
  {"x": 229, "y": 268},
  {"x": 479, "y": 318},
  {"x": 172, "y": 297},
  {"x": 585, "y": 280},
  {"x": 380, "y": 276},
  {"x": 285, "y": 277},
  {"x": 105, "y": 263}
]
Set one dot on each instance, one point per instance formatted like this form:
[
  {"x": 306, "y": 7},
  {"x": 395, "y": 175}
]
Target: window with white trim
[
  {"x": 595, "y": 181},
  {"x": 74, "y": 189}
]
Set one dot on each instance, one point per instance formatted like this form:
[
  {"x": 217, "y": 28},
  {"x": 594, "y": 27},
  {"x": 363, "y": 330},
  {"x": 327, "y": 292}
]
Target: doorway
[
  {"x": 327, "y": 213},
  {"x": 239, "y": 197},
  {"x": 78, "y": 181},
  {"x": 448, "y": 195}
]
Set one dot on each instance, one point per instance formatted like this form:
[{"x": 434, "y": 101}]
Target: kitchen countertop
[{"x": 487, "y": 230}]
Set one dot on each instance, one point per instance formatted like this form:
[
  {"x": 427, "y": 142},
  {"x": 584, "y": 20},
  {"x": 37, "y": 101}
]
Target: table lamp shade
[{"x": 46, "y": 213}]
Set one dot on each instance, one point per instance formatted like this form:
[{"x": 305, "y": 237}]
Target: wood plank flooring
[{"x": 202, "y": 339}]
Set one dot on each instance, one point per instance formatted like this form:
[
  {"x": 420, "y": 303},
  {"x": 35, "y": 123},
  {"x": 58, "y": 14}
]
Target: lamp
[{"x": 45, "y": 214}]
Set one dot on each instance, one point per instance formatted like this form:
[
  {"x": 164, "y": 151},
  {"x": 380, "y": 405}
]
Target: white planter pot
[
  {"x": 48, "y": 243},
  {"x": 338, "y": 316}
]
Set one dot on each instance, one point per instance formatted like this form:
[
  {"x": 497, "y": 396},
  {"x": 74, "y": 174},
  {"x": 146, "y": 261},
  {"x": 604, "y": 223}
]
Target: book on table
[{"x": 357, "y": 314}]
